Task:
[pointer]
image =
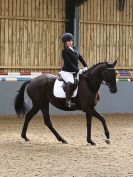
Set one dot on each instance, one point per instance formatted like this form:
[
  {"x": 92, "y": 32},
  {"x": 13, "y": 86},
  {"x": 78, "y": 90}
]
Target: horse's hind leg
[
  {"x": 28, "y": 117},
  {"x": 47, "y": 121}
]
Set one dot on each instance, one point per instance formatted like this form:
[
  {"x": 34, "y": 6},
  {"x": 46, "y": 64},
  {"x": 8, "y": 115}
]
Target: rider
[{"x": 70, "y": 56}]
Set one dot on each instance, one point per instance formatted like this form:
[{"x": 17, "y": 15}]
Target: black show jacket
[{"x": 71, "y": 60}]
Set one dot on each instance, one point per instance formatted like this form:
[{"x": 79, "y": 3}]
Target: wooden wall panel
[
  {"x": 30, "y": 32},
  {"x": 106, "y": 32}
]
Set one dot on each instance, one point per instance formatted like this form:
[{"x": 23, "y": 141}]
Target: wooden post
[
  {"x": 69, "y": 26},
  {"x": 77, "y": 27},
  {"x": 121, "y": 5}
]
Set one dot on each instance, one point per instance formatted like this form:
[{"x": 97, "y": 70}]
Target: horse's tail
[{"x": 19, "y": 104}]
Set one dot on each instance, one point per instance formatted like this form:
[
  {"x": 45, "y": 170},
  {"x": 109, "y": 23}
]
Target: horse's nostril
[{"x": 113, "y": 90}]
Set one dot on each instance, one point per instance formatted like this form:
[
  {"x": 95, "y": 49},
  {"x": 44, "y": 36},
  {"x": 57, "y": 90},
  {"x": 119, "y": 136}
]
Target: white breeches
[{"x": 67, "y": 76}]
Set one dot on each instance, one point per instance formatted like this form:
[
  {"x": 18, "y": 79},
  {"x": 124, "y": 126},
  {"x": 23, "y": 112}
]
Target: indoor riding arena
[{"x": 30, "y": 47}]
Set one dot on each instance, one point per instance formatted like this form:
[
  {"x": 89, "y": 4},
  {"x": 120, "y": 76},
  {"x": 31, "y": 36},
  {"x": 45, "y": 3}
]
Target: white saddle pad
[{"x": 59, "y": 92}]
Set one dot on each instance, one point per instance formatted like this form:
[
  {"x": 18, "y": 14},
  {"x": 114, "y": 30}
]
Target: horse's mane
[
  {"x": 97, "y": 64},
  {"x": 88, "y": 72}
]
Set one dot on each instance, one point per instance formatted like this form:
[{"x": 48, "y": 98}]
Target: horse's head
[
  {"x": 109, "y": 76},
  {"x": 103, "y": 72}
]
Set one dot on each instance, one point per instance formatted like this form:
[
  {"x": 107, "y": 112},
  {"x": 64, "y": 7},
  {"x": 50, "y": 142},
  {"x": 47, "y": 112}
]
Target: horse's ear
[{"x": 115, "y": 62}]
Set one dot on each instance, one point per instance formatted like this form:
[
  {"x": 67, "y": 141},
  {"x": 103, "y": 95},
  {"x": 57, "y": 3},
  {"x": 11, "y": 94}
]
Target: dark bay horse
[{"x": 40, "y": 90}]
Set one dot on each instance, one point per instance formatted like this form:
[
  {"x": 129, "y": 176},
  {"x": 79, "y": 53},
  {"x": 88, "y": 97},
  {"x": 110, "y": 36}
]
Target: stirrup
[{"x": 69, "y": 104}]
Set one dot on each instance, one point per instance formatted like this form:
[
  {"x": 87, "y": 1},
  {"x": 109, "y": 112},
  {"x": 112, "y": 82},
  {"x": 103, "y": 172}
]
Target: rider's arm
[
  {"x": 80, "y": 58},
  {"x": 82, "y": 61}
]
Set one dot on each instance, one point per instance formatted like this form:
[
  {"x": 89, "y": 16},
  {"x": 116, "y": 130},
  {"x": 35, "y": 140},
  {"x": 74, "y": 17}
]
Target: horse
[{"x": 40, "y": 91}]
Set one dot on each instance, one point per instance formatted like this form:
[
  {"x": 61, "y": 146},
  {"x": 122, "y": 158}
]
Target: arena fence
[{"x": 24, "y": 76}]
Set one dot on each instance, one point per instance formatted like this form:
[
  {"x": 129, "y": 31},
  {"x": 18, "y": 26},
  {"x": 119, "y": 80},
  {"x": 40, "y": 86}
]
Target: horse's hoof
[
  {"x": 92, "y": 143},
  {"x": 26, "y": 139},
  {"x": 64, "y": 142},
  {"x": 107, "y": 141}
]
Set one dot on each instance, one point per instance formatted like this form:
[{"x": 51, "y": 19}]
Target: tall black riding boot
[{"x": 69, "y": 92}]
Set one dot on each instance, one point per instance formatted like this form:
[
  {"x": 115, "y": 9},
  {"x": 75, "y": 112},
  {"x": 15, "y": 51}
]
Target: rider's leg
[
  {"x": 69, "y": 79},
  {"x": 69, "y": 92}
]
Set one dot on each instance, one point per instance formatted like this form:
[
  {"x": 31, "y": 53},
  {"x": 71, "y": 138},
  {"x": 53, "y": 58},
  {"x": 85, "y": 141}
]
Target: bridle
[{"x": 105, "y": 82}]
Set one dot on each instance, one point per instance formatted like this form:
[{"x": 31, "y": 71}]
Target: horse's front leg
[
  {"x": 102, "y": 119},
  {"x": 89, "y": 121}
]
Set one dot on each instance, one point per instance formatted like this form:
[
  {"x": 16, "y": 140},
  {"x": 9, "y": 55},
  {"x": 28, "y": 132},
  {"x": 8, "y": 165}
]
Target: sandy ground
[{"x": 45, "y": 156}]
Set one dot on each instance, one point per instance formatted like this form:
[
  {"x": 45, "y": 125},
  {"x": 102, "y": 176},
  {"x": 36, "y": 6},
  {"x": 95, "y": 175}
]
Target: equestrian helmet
[{"x": 67, "y": 37}]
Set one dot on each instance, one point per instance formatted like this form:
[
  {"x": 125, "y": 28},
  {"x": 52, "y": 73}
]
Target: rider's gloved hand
[
  {"x": 80, "y": 71},
  {"x": 84, "y": 69}
]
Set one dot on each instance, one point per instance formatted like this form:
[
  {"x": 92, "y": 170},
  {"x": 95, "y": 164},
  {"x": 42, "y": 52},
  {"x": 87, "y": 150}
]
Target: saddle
[
  {"x": 59, "y": 77},
  {"x": 60, "y": 87}
]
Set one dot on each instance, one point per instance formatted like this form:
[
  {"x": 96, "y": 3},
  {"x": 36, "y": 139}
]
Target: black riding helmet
[{"x": 67, "y": 37}]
